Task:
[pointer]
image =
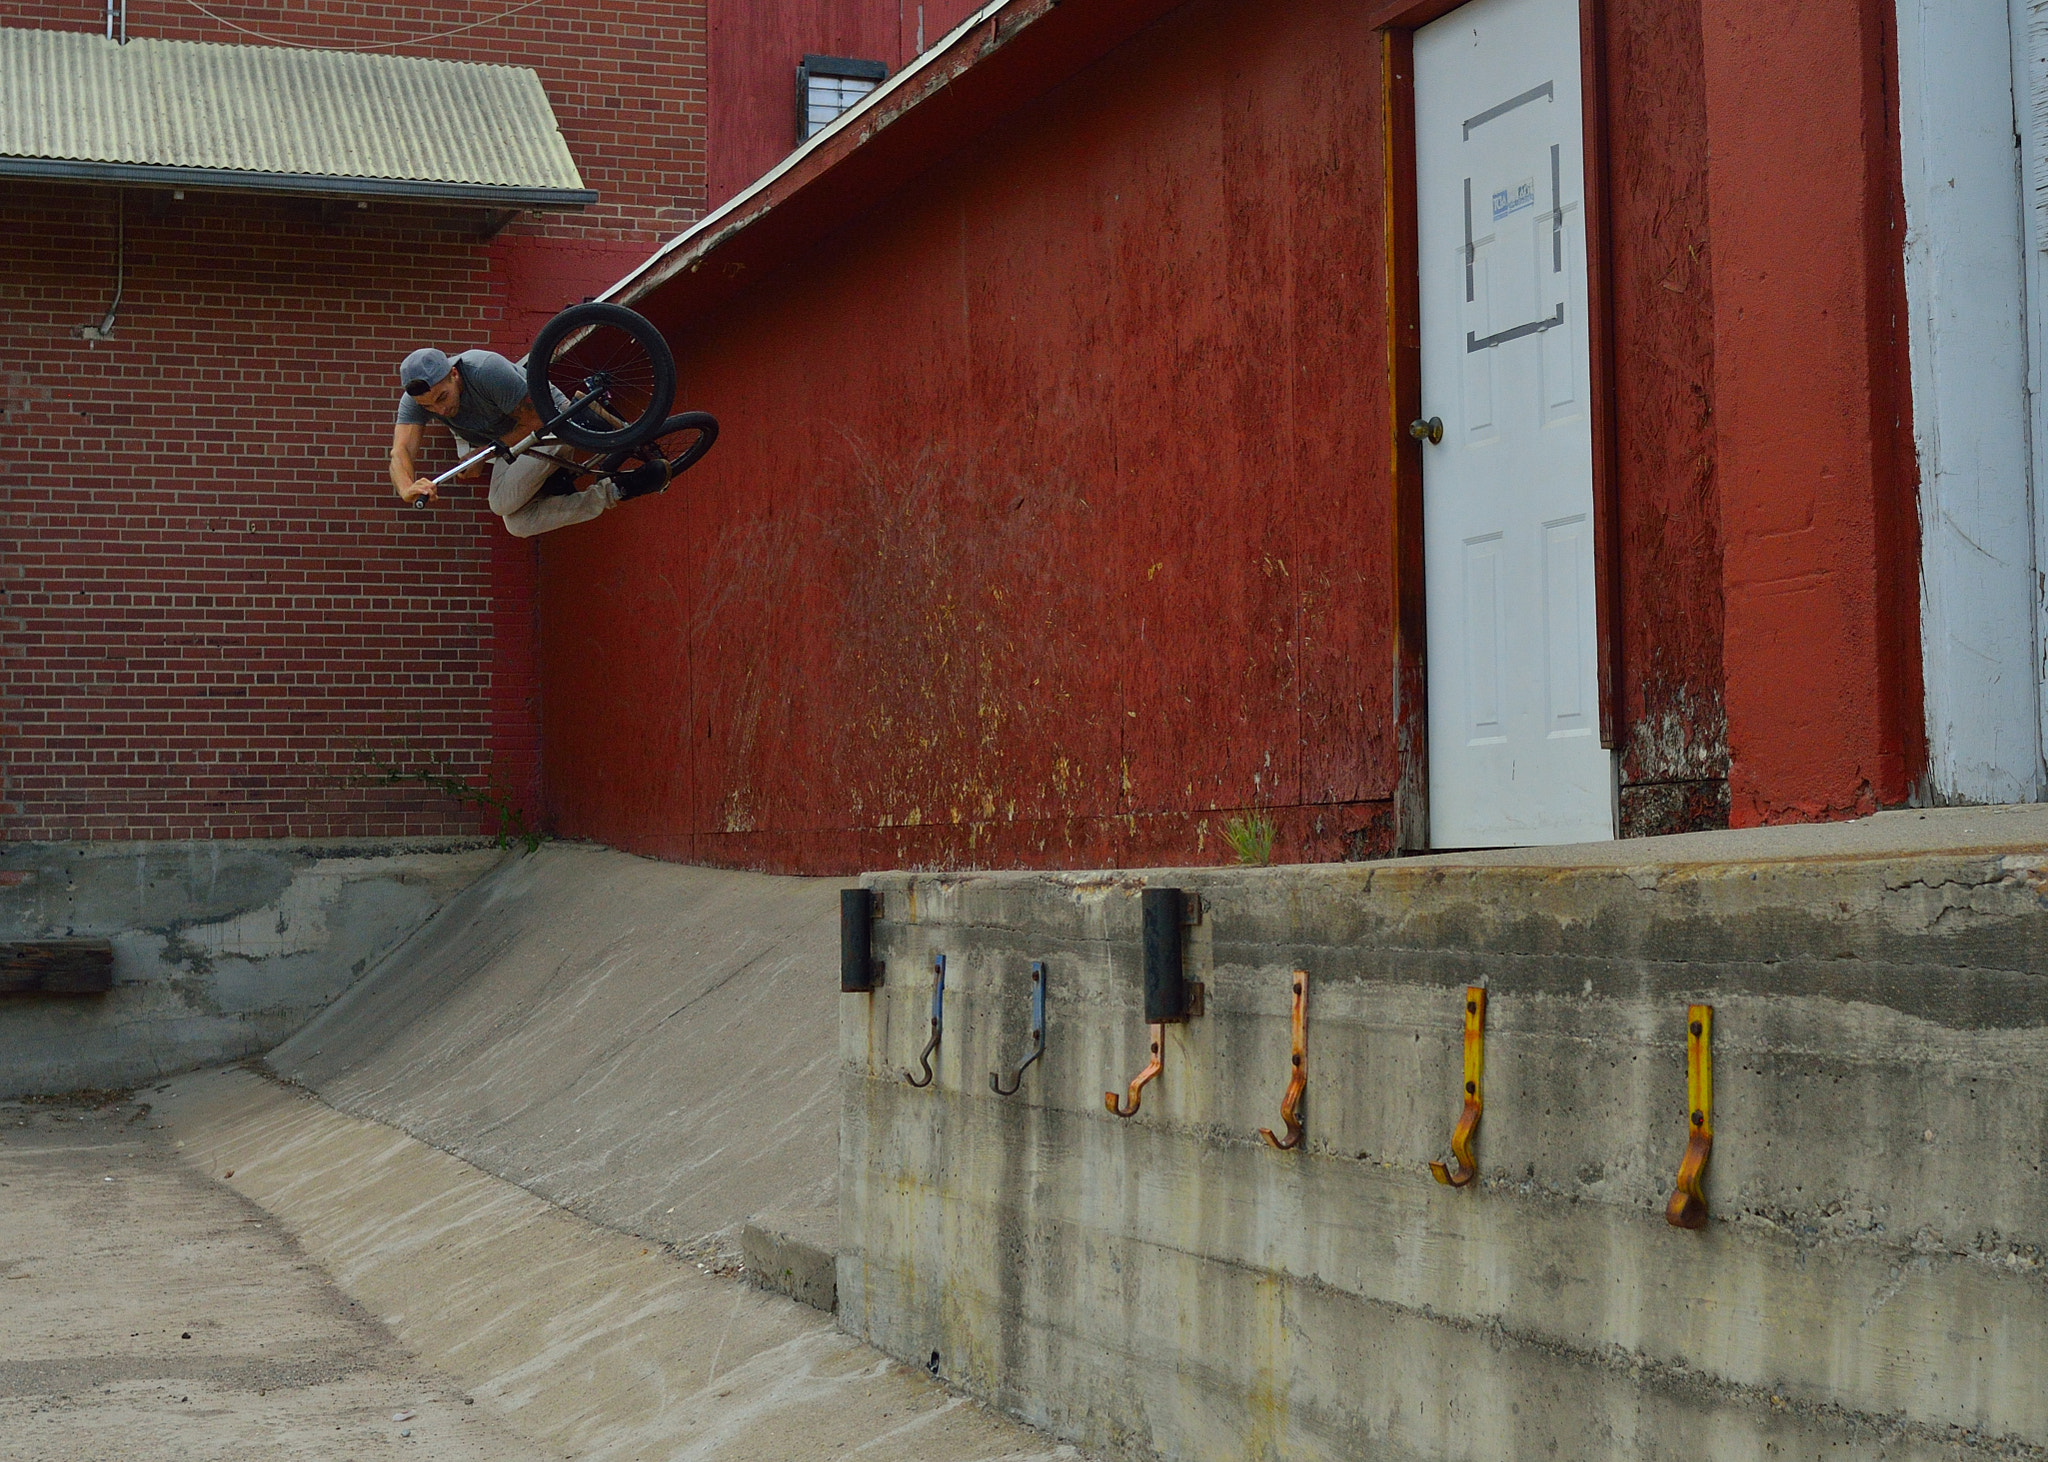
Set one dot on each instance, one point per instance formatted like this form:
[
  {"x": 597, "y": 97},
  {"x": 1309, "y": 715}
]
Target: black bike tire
[
  {"x": 540, "y": 385},
  {"x": 702, "y": 422}
]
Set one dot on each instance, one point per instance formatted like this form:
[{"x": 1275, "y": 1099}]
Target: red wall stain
[{"x": 1821, "y": 643}]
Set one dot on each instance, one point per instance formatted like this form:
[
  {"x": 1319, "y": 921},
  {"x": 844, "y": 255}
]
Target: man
[{"x": 481, "y": 397}]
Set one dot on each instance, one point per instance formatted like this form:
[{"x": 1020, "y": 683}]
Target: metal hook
[
  {"x": 1688, "y": 1206},
  {"x": 1037, "y": 1033},
  {"x": 1109, "y": 1098},
  {"x": 938, "y": 1022},
  {"x": 1297, "y": 1083},
  {"x": 1468, "y": 1120}
]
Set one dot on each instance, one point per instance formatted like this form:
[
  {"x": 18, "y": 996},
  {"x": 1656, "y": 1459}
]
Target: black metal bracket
[
  {"x": 1167, "y": 913},
  {"x": 859, "y": 970}
]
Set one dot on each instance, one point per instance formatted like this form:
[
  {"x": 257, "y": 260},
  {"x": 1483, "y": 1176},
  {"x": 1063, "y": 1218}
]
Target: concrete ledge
[
  {"x": 1871, "y": 1279},
  {"x": 795, "y": 1254}
]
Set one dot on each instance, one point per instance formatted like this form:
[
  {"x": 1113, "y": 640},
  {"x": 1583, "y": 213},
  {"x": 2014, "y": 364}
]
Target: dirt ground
[{"x": 148, "y": 1312}]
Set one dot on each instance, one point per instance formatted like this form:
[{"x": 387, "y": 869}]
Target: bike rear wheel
[
  {"x": 616, "y": 357},
  {"x": 681, "y": 441}
]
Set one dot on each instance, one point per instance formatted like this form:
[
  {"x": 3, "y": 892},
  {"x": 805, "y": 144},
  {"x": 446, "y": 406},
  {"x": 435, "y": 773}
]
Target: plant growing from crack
[
  {"x": 512, "y": 823},
  {"x": 1251, "y": 839}
]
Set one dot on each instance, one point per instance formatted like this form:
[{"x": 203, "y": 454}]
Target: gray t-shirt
[{"x": 493, "y": 389}]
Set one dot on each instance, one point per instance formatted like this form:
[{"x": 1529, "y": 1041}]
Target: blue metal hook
[
  {"x": 1037, "y": 1033},
  {"x": 938, "y": 1022}
]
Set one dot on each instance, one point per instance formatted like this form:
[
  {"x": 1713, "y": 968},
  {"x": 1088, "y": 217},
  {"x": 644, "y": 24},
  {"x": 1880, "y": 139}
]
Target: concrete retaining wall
[
  {"x": 221, "y": 948},
  {"x": 1871, "y": 1280}
]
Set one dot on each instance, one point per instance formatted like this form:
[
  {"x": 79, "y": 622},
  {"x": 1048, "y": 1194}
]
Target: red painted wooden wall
[{"x": 1051, "y": 522}]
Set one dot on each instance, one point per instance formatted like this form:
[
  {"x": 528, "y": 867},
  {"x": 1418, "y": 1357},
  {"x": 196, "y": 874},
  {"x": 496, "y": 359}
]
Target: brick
[{"x": 210, "y": 605}]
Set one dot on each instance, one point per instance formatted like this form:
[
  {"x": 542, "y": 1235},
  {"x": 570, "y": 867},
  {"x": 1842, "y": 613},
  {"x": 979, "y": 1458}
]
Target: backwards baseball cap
[{"x": 424, "y": 369}]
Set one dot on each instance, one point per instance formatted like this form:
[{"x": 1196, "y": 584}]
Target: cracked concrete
[
  {"x": 221, "y": 948},
  {"x": 580, "y": 1341},
  {"x": 154, "y": 1314}
]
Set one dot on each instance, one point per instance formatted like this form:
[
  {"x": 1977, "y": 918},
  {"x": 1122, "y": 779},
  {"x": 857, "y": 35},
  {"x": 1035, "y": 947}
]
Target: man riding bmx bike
[{"x": 482, "y": 398}]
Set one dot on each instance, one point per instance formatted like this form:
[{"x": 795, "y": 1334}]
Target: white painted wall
[{"x": 1976, "y": 353}]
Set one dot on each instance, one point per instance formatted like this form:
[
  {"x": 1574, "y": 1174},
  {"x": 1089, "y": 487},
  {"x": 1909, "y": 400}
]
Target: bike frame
[{"x": 528, "y": 443}]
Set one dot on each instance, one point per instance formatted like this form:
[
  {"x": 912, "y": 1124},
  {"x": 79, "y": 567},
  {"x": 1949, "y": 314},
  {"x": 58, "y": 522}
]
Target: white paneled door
[{"x": 1514, "y": 715}]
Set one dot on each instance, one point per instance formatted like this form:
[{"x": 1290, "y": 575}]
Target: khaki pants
[{"x": 514, "y": 483}]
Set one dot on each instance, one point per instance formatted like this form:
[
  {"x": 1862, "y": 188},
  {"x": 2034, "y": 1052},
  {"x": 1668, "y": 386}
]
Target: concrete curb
[{"x": 786, "y": 1253}]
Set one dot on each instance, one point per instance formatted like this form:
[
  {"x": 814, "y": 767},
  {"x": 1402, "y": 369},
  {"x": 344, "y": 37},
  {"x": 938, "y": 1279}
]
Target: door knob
[{"x": 1431, "y": 431}]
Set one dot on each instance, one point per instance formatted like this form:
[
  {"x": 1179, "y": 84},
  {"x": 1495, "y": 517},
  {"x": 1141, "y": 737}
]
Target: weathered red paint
[
  {"x": 1055, "y": 518},
  {"x": 1674, "y": 736},
  {"x": 1051, "y": 530},
  {"x": 1821, "y": 643}
]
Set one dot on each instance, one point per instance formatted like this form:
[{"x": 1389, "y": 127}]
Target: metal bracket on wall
[
  {"x": 924, "y": 1057},
  {"x": 1688, "y": 1206},
  {"x": 1109, "y": 1098},
  {"x": 995, "y": 1083},
  {"x": 1468, "y": 1120},
  {"x": 859, "y": 971},
  {"x": 1297, "y": 1081}
]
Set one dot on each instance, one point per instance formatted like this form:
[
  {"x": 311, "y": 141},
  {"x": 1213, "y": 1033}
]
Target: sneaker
[{"x": 640, "y": 481}]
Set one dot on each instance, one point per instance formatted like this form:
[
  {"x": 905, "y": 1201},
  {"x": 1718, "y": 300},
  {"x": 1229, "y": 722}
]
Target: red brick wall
[{"x": 217, "y": 618}]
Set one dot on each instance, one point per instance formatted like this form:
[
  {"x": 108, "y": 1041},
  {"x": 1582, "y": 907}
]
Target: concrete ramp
[
  {"x": 649, "y": 1052},
  {"x": 651, "y": 1046}
]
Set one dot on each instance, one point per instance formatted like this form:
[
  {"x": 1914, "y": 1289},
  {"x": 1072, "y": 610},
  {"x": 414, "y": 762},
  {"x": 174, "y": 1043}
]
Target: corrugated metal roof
[{"x": 274, "y": 118}]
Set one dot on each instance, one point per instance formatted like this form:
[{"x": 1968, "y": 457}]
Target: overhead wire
[{"x": 380, "y": 46}]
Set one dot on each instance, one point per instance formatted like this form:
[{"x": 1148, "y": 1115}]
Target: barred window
[{"x": 827, "y": 86}]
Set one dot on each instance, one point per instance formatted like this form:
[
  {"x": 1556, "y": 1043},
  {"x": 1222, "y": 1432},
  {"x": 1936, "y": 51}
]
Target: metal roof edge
[
  {"x": 860, "y": 131},
  {"x": 318, "y": 185}
]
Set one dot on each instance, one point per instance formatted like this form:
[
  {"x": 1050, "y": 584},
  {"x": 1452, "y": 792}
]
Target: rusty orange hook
[
  {"x": 1468, "y": 1120},
  {"x": 1688, "y": 1206},
  {"x": 1109, "y": 1098},
  {"x": 1297, "y": 1083}
]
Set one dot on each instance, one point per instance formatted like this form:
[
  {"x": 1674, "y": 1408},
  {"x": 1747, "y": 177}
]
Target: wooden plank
[
  {"x": 1404, "y": 387},
  {"x": 57, "y": 967},
  {"x": 1600, "y": 349}
]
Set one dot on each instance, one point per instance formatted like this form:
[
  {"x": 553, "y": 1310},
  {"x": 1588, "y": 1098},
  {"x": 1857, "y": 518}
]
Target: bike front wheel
[{"x": 616, "y": 359}]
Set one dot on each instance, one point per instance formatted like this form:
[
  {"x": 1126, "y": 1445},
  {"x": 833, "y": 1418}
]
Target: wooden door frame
[{"x": 1397, "y": 21}]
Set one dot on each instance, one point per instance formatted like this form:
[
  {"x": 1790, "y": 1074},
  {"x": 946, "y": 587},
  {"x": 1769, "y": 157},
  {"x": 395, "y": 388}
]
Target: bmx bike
[{"x": 601, "y": 378}]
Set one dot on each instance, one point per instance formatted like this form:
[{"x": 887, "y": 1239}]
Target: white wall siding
[{"x": 1966, "y": 268}]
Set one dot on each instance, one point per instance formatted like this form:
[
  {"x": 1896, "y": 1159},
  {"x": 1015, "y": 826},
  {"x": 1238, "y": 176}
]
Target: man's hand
[{"x": 422, "y": 487}]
